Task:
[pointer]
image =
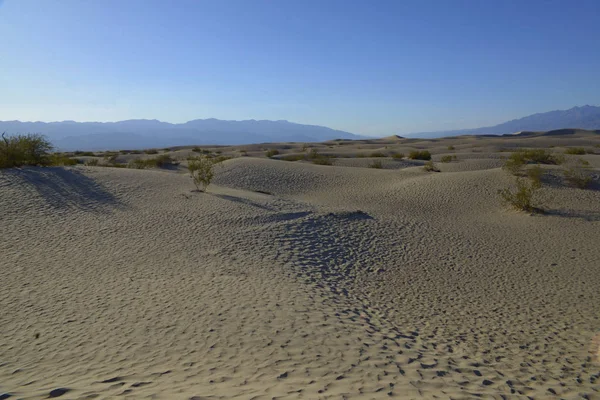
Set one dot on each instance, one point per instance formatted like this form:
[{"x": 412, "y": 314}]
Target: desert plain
[{"x": 370, "y": 278}]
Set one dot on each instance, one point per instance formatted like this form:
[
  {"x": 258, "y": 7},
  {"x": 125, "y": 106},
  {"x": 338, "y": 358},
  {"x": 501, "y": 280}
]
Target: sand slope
[{"x": 293, "y": 280}]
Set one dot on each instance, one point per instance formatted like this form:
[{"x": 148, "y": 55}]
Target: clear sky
[{"x": 372, "y": 67}]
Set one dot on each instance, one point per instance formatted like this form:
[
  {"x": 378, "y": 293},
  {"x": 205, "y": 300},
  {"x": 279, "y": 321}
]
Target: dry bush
[
  {"x": 447, "y": 159},
  {"x": 61, "y": 160},
  {"x": 293, "y": 157},
  {"x": 322, "y": 160},
  {"x": 430, "y": 167},
  {"x": 419, "y": 155},
  {"x": 377, "y": 154},
  {"x": 575, "y": 150},
  {"x": 92, "y": 163},
  {"x": 202, "y": 170},
  {"x": 522, "y": 198},
  {"x": 517, "y": 160},
  {"x": 162, "y": 161},
  {"x": 376, "y": 164},
  {"x": 151, "y": 151},
  {"x": 451, "y": 147},
  {"x": 398, "y": 156},
  {"x": 271, "y": 153}
]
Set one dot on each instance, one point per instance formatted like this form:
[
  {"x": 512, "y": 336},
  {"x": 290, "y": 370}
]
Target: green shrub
[
  {"x": 419, "y": 155},
  {"x": 59, "y": 160},
  {"x": 92, "y": 163},
  {"x": 322, "y": 160},
  {"x": 151, "y": 151},
  {"x": 378, "y": 154},
  {"x": 447, "y": 159},
  {"x": 135, "y": 152},
  {"x": 523, "y": 197},
  {"x": 376, "y": 164},
  {"x": 293, "y": 157},
  {"x": 86, "y": 153},
  {"x": 272, "y": 152},
  {"x": 202, "y": 171},
  {"x": 166, "y": 150},
  {"x": 520, "y": 158},
  {"x": 197, "y": 150},
  {"x": 575, "y": 150},
  {"x": 398, "y": 156},
  {"x": 451, "y": 147},
  {"x": 161, "y": 161},
  {"x": 361, "y": 155},
  {"x": 20, "y": 150},
  {"x": 430, "y": 167},
  {"x": 535, "y": 174}
]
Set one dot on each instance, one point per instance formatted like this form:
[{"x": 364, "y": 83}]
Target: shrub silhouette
[
  {"x": 271, "y": 153},
  {"x": 419, "y": 155},
  {"x": 517, "y": 160},
  {"x": 523, "y": 197},
  {"x": 377, "y": 154},
  {"x": 376, "y": 164},
  {"x": 398, "y": 156},
  {"x": 447, "y": 159},
  {"x": 92, "y": 163}
]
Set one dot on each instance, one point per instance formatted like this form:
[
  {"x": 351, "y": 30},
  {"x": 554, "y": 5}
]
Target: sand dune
[{"x": 294, "y": 280}]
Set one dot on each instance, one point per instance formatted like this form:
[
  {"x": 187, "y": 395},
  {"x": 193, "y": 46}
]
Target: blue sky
[{"x": 372, "y": 67}]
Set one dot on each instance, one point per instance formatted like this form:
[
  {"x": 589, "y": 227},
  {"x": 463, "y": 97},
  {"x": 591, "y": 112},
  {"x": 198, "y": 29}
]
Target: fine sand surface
[{"x": 289, "y": 280}]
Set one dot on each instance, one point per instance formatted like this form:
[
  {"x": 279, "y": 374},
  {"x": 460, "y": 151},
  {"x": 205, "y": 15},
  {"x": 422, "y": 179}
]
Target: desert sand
[{"x": 289, "y": 280}]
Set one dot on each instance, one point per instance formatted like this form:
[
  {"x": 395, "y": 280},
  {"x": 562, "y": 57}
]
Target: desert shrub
[
  {"x": 419, "y": 155},
  {"x": 398, "y": 156},
  {"x": 59, "y": 160},
  {"x": 575, "y": 150},
  {"x": 151, "y": 151},
  {"x": 166, "y": 150},
  {"x": 197, "y": 150},
  {"x": 292, "y": 157},
  {"x": 376, "y": 164},
  {"x": 322, "y": 160},
  {"x": 451, "y": 147},
  {"x": 87, "y": 153},
  {"x": 430, "y": 167},
  {"x": 535, "y": 174},
  {"x": 523, "y": 197},
  {"x": 305, "y": 147},
  {"x": 377, "y": 154},
  {"x": 161, "y": 161},
  {"x": 313, "y": 154},
  {"x": 92, "y": 163},
  {"x": 517, "y": 160},
  {"x": 578, "y": 177},
  {"x": 20, "y": 150},
  {"x": 272, "y": 152},
  {"x": 202, "y": 171},
  {"x": 361, "y": 155},
  {"x": 243, "y": 153},
  {"x": 447, "y": 159},
  {"x": 135, "y": 152}
]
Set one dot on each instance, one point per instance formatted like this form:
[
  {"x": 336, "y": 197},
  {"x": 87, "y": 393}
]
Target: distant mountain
[
  {"x": 135, "y": 134},
  {"x": 586, "y": 117}
]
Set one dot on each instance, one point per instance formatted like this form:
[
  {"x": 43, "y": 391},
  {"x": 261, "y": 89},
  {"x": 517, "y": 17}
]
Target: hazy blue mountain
[
  {"x": 586, "y": 117},
  {"x": 134, "y": 134}
]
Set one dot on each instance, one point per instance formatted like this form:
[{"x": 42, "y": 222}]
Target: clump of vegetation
[
  {"x": 419, "y": 155},
  {"x": 60, "y": 160},
  {"x": 535, "y": 174},
  {"x": 517, "y": 160},
  {"x": 86, "y": 153},
  {"x": 322, "y": 160},
  {"x": 361, "y": 155},
  {"x": 92, "y": 162},
  {"x": 451, "y": 147},
  {"x": 376, "y": 164},
  {"x": 575, "y": 150},
  {"x": 20, "y": 150},
  {"x": 305, "y": 147},
  {"x": 398, "y": 156},
  {"x": 197, "y": 150},
  {"x": 578, "y": 174},
  {"x": 377, "y": 154},
  {"x": 448, "y": 158},
  {"x": 272, "y": 152},
  {"x": 522, "y": 198},
  {"x": 293, "y": 157},
  {"x": 166, "y": 150},
  {"x": 162, "y": 161},
  {"x": 243, "y": 153},
  {"x": 430, "y": 167},
  {"x": 202, "y": 170},
  {"x": 151, "y": 151}
]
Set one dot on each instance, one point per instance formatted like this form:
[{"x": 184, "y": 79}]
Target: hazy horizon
[{"x": 374, "y": 70}]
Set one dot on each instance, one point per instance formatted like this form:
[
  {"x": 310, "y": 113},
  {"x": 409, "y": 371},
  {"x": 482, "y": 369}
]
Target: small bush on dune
[
  {"x": 535, "y": 174},
  {"x": 293, "y": 157},
  {"x": 20, "y": 150},
  {"x": 361, "y": 155},
  {"x": 378, "y": 154},
  {"x": 398, "y": 156},
  {"x": 575, "y": 150},
  {"x": 322, "y": 160},
  {"x": 151, "y": 151},
  {"x": 376, "y": 164},
  {"x": 447, "y": 159},
  {"x": 202, "y": 171},
  {"x": 87, "y": 153},
  {"x": 419, "y": 155},
  {"x": 197, "y": 150},
  {"x": 92, "y": 163},
  {"x": 271, "y": 153},
  {"x": 523, "y": 197},
  {"x": 517, "y": 160},
  {"x": 451, "y": 147},
  {"x": 61, "y": 160},
  {"x": 162, "y": 161},
  {"x": 430, "y": 167}
]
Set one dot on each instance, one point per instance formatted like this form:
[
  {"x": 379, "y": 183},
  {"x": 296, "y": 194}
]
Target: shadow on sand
[{"x": 65, "y": 188}]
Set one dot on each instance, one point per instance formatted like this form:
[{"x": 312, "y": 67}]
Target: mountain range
[
  {"x": 142, "y": 133},
  {"x": 585, "y": 117}
]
